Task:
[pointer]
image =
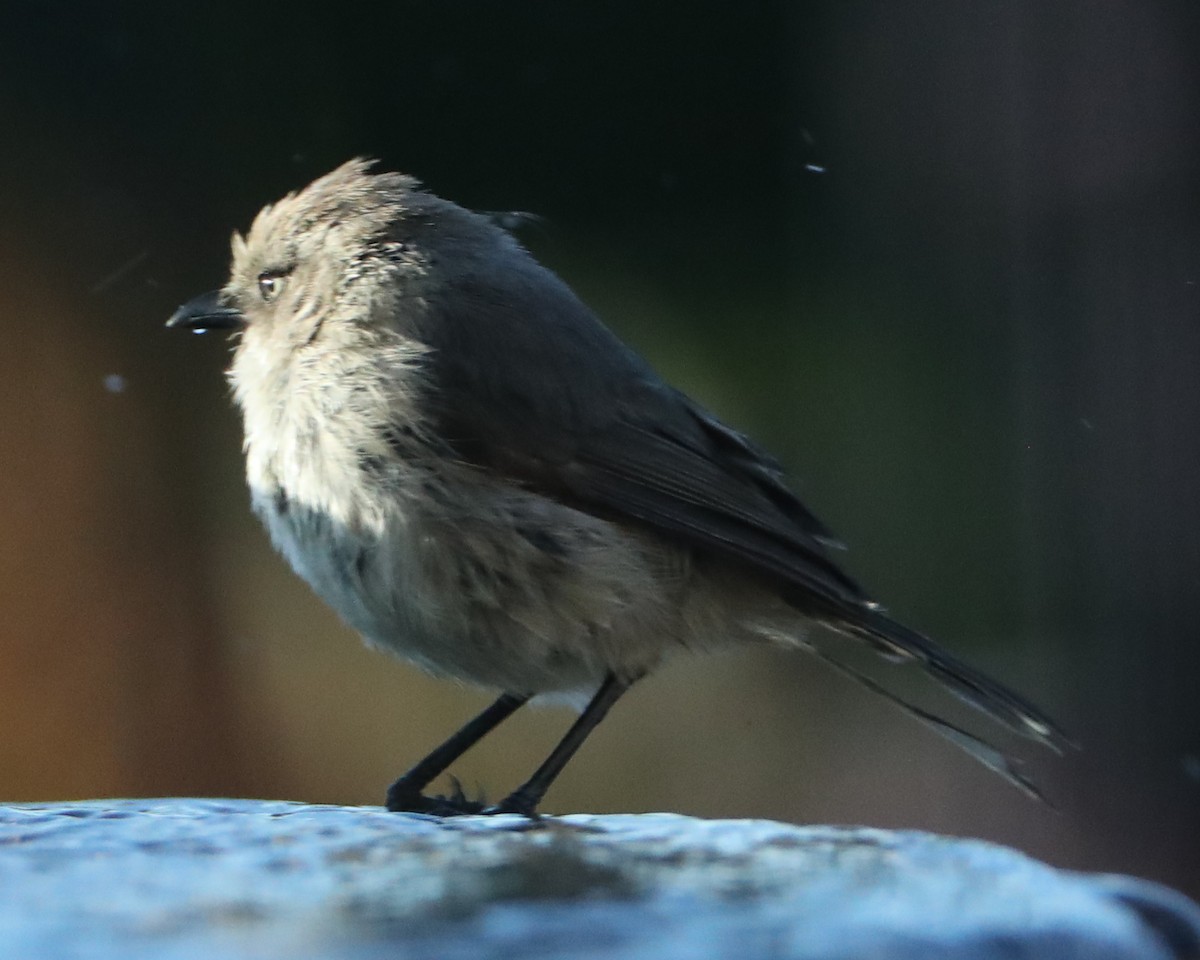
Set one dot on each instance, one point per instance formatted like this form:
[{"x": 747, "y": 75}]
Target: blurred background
[{"x": 942, "y": 258}]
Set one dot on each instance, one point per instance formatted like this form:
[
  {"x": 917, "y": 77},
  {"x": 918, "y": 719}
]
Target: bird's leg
[
  {"x": 405, "y": 794},
  {"x": 525, "y": 799}
]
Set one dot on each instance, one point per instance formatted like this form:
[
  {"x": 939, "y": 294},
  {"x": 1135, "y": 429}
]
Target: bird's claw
[
  {"x": 404, "y": 800},
  {"x": 514, "y": 803}
]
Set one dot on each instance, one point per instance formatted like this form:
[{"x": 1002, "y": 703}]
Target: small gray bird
[{"x": 467, "y": 465}]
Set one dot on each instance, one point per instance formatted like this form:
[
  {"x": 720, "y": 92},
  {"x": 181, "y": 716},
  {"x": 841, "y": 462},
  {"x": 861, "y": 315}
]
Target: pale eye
[{"x": 270, "y": 284}]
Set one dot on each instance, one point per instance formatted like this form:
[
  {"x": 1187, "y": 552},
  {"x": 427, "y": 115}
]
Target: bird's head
[{"x": 319, "y": 256}]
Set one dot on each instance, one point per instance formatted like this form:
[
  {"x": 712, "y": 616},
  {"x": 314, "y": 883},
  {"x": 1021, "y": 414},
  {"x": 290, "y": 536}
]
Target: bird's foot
[
  {"x": 401, "y": 798},
  {"x": 515, "y": 802}
]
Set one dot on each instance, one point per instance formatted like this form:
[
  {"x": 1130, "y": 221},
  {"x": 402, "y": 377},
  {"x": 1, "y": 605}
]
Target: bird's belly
[{"x": 510, "y": 591}]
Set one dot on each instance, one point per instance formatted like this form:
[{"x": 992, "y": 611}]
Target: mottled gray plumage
[{"x": 480, "y": 477}]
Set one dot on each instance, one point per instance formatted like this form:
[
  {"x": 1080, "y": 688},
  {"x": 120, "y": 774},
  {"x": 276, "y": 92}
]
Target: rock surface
[{"x": 178, "y": 879}]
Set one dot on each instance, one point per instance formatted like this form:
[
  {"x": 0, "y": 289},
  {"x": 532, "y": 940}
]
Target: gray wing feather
[{"x": 542, "y": 391}]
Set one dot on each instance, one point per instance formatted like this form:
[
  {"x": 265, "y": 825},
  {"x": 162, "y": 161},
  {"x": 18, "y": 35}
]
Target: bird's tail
[{"x": 898, "y": 643}]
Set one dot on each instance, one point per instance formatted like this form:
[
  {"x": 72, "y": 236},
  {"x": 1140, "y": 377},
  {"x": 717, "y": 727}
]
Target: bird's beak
[{"x": 206, "y": 312}]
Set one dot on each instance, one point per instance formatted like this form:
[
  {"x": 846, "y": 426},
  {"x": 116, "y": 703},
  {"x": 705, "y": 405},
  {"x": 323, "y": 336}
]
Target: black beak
[{"x": 206, "y": 312}]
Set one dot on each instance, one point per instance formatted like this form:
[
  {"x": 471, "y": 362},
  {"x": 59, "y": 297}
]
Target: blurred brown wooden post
[{"x": 112, "y": 680}]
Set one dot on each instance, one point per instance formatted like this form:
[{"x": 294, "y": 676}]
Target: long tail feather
[
  {"x": 897, "y": 642},
  {"x": 991, "y": 757}
]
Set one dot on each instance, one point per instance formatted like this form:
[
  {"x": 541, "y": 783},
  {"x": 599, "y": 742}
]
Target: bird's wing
[
  {"x": 526, "y": 381},
  {"x": 550, "y": 397}
]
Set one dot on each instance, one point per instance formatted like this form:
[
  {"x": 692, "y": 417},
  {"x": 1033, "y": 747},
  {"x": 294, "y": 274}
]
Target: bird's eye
[{"x": 270, "y": 284}]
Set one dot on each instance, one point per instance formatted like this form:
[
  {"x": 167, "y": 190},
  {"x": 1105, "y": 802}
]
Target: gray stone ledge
[{"x": 183, "y": 878}]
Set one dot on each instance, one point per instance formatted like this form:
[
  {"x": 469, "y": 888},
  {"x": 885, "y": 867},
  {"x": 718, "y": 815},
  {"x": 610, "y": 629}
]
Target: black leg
[
  {"x": 405, "y": 794},
  {"x": 525, "y": 798}
]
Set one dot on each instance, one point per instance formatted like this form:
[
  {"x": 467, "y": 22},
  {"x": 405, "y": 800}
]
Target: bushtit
[{"x": 481, "y": 478}]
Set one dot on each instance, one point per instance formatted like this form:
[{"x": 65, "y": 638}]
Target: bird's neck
[{"x": 312, "y": 427}]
